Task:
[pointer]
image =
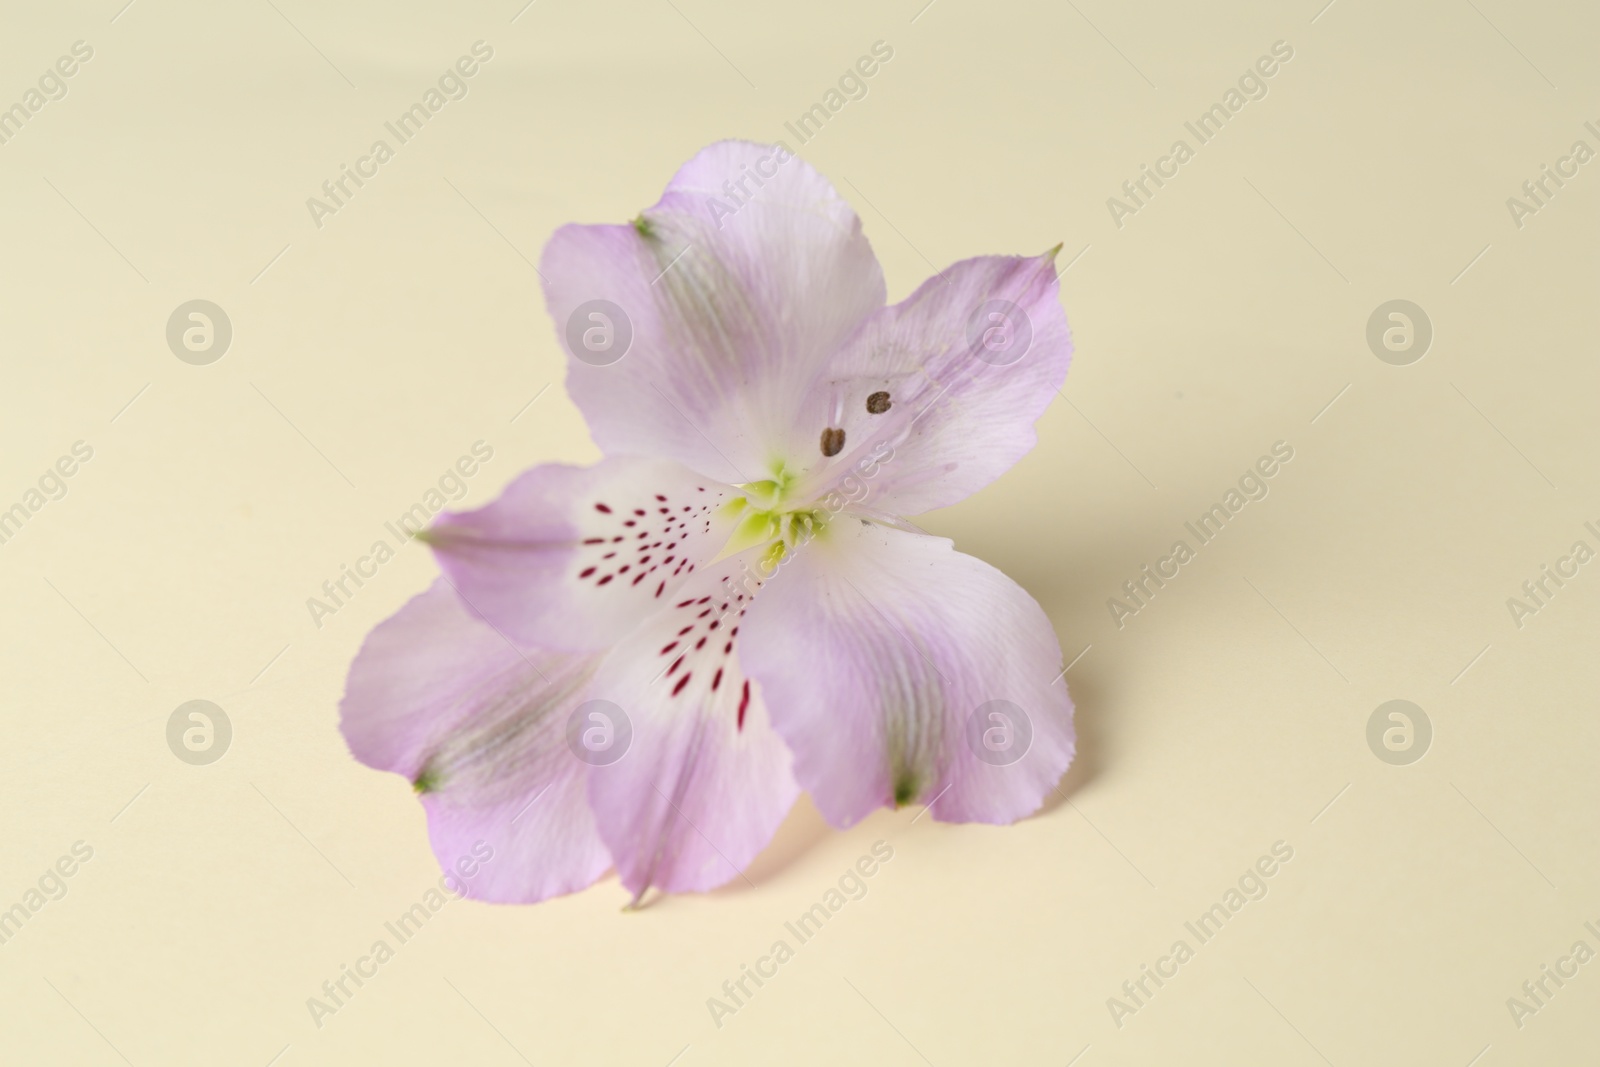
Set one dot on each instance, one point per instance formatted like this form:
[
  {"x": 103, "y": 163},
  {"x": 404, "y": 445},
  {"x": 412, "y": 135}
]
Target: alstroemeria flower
[{"x": 732, "y": 576}]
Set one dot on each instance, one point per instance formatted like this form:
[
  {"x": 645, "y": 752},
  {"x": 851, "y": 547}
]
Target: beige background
[{"x": 1229, "y": 714}]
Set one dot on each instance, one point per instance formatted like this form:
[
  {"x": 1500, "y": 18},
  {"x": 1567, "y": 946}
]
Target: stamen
[
  {"x": 832, "y": 441},
  {"x": 878, "y": 403}
]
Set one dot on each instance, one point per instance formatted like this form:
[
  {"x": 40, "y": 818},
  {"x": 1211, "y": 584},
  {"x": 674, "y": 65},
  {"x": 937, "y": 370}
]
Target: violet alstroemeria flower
[{"x": 731, "y": 580}]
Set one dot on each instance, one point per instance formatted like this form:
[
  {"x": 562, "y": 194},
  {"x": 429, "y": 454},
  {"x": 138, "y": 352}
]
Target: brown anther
[
  {"x": 878, "y": 403},
  {"x": 832, "y": 441}
]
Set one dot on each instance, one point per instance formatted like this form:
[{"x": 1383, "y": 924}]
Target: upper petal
[
  {"x": 480, "y": 728},
  {"x": 898, "y": 669},
  {"x": 707, "y": 781},
  {"x": 571, "y": 557},
  {"x": 966, "y": 364},
  {"x": 736, "y": 289}
]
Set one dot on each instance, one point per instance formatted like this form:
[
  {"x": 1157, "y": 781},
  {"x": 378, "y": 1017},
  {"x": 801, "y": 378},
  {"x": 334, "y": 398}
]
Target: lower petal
[
  {"x": 900, "y": 670},
  {"x": 479, "y": 727},
  {"x": 706, "y": 781}
]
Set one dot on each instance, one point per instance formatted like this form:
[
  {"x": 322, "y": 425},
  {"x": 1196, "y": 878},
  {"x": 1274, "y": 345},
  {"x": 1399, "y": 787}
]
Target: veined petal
[
  {"x": 707, "y": 781},
  {"x": 900, "y": 670},
  {"x": 479, "y": 728},
  {"x": 937, "y": 395},
  {"x": 737, "y": 287},
  {"x": 572, "y": 557}
]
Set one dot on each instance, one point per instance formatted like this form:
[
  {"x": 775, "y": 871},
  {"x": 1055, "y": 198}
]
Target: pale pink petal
[
  {"x": 968, "y": 363},
  {"x": 479, "y": 728},
  {"x": 706, "y": 781},
  {"x": 884, "y": 656},
  {"x": 735, "y": 307},
  {"x": 572, "y": 557}
]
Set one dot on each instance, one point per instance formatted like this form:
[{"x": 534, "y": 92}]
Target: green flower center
[{"x": 769, "y": 514}]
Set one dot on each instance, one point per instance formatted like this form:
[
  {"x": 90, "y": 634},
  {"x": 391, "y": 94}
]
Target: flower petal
[
  {"x": 965, "y": 366},
  {"x": 480, "y": 728},
  {"x": 735, "y": 305},
  {"x": 707, "y": 780},
  {"x": 885, "y": 656},
  {"x": 571, "y": 557}
]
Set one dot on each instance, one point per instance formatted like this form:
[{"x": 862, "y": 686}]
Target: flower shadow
[{"x": 801, "y": 831}]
